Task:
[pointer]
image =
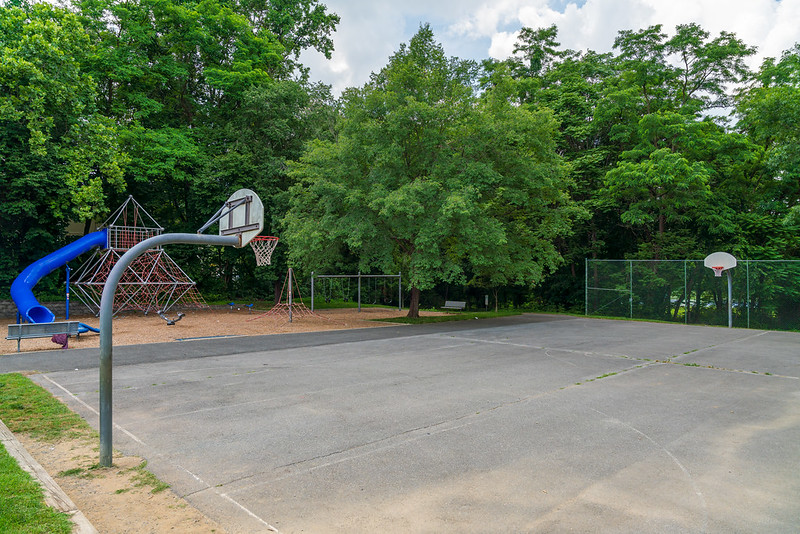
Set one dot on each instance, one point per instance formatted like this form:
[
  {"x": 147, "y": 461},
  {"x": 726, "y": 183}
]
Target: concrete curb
[{"x": 54, "y": 496}]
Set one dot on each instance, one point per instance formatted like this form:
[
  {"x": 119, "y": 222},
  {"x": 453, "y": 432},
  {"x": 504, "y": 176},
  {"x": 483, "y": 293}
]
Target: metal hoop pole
[
  {"x": 106, "y": 328},
  {"x": 730, "y": 301}
]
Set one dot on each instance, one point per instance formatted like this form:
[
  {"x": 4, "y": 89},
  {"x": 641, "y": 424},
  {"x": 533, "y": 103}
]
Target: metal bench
[
  {"x": 454, "y": 305},
  {"x": 22, "y": 331}
]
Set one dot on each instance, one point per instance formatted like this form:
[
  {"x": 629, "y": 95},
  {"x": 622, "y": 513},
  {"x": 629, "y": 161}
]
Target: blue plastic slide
[{"x": 22, "y": 287}]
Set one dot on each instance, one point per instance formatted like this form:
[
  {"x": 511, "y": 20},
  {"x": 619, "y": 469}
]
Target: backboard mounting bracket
[{"x": 242, "y": 214}]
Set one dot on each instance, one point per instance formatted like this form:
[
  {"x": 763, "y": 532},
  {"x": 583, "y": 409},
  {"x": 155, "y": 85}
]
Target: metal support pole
[
  {"x": 359, "y": 291},
  {"x": 66, "y": 304},
  {"x": 312, "y": 291},
  {"x": 107, "y": 312},
  {"x": 730, "y": 301},
  {"x": 290, "y": 294},
  {"x": 399, "y": 291}
]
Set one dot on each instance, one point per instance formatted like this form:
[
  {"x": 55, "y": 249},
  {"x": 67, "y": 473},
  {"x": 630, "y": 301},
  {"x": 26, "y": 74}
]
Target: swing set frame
[{"x": 359, "y": 276}]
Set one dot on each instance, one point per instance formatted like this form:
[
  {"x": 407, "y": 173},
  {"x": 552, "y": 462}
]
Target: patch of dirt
[
  {"x": 115, "y": 499},
  {"x": 111, "y": 498},
  {"x": 135, "y": 329}
]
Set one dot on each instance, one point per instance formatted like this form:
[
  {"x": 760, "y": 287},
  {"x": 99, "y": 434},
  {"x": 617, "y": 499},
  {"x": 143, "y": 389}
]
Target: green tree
[
  {"x": 769, "y": 114},
  {"x": 271, "y": 127},
  {"x": 196, "y": 85},
  {"x": 656, "y": 188},
  {"x": 59, "y": 159},
  {"x": 676, "y": 170},
  {"x": 425, "y": 178},
  {"x": 298, "y": 25},
  {"x": 700, "y": 77},
  {"x": 572, "y": 85},
  {"x": 171, "y": 73},
  {"x": 634, "y": 117},
  {"x": 683, "y": 187},
  {"x": 708, "y": 69},
  {"x": 535, "y": 51}
]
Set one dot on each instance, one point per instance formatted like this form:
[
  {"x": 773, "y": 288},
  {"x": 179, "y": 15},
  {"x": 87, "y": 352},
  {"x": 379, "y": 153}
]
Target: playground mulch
[{"x": 136, "y": 328}]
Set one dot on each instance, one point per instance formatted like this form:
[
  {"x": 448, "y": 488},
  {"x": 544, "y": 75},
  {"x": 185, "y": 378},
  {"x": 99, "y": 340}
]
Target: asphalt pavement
[{"x": 535, "y": 423}]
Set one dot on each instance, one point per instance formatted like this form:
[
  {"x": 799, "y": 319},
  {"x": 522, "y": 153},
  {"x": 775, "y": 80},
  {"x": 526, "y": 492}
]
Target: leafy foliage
[
  {"x": 426, "y": 179},
  {"x": 485, "y": 177},
  {"x": 59, "y": 158}
]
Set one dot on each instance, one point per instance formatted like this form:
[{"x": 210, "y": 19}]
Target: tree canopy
[
  {"x": 488, "y": 177},
  {"x": 427, "y": 178}
]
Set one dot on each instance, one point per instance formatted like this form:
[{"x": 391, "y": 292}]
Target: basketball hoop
[
  {"x": 720, "y": 262},
  {"x": 263, "y": 245}
]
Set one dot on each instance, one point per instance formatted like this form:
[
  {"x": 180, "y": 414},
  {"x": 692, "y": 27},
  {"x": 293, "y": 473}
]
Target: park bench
[
  {"x": 454, "y": 305},
  {"x": 22, "y": 331}
]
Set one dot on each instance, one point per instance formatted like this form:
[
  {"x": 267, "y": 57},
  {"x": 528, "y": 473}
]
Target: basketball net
[
  {"x": 717, "y": 270},
  {"x": 263, "y": 245}
]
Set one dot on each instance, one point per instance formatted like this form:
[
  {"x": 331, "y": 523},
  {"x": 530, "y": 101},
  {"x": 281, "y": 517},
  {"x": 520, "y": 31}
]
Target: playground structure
[
  {"x": 359, "y": 276},
  {"x": 152, "y": 282},
  {"x": 30, "y": 309},
  {"x": 291, "y": 305}
]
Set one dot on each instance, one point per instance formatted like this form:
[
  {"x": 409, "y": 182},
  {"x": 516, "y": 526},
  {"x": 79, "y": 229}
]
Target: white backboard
[
  {"x": 720, "y": 259},
  {"x": 245, "y": 219}
]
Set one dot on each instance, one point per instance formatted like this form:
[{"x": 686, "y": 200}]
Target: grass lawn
[
  {"x": 22, "y": 507},
  {"x": 455, "y": 316},
  {"x": 25, "y": 407}
]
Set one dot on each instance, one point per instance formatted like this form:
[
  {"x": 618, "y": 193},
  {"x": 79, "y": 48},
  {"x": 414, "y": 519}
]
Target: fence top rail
[
  {"x": 355, "y": 275},
  {"x": 675, "y": 261},
  {"x": 625, "y": 290}
]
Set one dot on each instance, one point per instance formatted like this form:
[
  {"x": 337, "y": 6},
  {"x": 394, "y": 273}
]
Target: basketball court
[{"x": 533, "y": 423}]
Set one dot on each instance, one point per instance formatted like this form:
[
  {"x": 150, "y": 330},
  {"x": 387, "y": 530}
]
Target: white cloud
[
  {"x": 769, "y": 24},
  {"x": 502, "y": 44},
  {"x": 372, "y": 30}
]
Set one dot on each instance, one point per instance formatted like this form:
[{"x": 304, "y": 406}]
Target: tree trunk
[
  {"x": 677, "y": 307},
  {"x": 413, "y": 306}
]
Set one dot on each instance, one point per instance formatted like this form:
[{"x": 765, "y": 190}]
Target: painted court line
[
  {"x": 140, "y": 442},
  {"x": 71, "y": 395}
]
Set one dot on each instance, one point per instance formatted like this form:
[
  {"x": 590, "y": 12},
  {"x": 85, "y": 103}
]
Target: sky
[{"x": 372, "y": 30}]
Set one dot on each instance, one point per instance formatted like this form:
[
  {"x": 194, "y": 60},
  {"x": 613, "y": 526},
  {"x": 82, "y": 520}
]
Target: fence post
[
  {"x": 630, "y": 263},
  {"x": 586, "y": 286},
  {"x": 747, "y": 274},
  {"x": 685, "y": 296}
]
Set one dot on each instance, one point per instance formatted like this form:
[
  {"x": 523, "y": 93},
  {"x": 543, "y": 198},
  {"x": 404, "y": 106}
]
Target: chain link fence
[{"x": 766, "y": 293}]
